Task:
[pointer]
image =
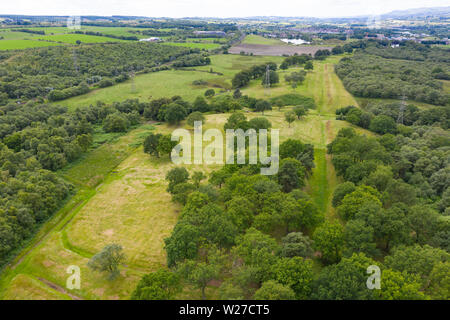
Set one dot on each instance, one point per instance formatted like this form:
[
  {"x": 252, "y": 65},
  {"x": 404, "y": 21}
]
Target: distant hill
[{"x": 418, "y": 13}]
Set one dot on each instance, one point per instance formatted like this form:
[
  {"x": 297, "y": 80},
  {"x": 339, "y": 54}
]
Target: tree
[
  {"x": 174, "y": 113},
  {"x": 182, "y": 244},
  {"x": 329, "y": 240},
  {"x": 399, "y": 191},
  {"x": 108, "y": 260},
  {"x": 389, "y": 226},
  {"x": 337, "y": 50},
  {"x": 353, "y": 201},
  {"x": 295, "y": 77},
  {"x": 424, "y": 222},
  {"x": 176, "y": 176},
  {"x": 115, "y": 122},
  {"x": 237, "y": 94},
  {"x": 160, "y": 285},
  {"x": 151, "y": 144},
  {"x": 228, "y": 291},
  {"x": 296, "y": 273},
  {"x": 259, "y": 123},
  {"x": 292, "y": 149},
  {"x": 182, "y": 191},
  {"x": 398, "y": 286},
  {"x": 84, "y": 141},
  {"x": 235, "y": 120},
  {"x": 439, "y": 287},
  {"x": 291, "y": 174},
  {"x": 272, "y": 290},
  {"x": 240, "y": 212},
  {"x": 257, "y": 249},
  {"x": 3, "y": 98},
  {"x": 195, "y": 116},
  {"x": 165, "y": 145},
  {"x": 345, "y": 280},
  {"x": 262, "y": 105},
  {"x": 309, "y": 65},
  {"x": 341, "y": 191},
  {"x": 289, "y": 117},
  {"x": 273, "y": 78},
  {"x": 200, "y": 105},
  {"x": 416, "y": 259},
  {"x": 197, "y": 176},
  {"x": 359, "y": 237},
  {"x": 300, "y": 111},
  {"x": 383, "y": 124},
  {"x": 295, "y": 244},
  {"x": 200, "y": 273},
  {"x": 210, "y": 93}
]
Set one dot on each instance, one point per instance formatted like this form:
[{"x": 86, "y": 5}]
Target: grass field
[
  {"x": 121, "y": 195},
  {"x": 171, "y": 82},
  {"x": 25, "y": 44},
  {"x": 255, "y": 39},
  {"x": 13, "y": 40}
]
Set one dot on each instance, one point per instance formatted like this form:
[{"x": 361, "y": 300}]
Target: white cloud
[{"x": 213, "y": 8}]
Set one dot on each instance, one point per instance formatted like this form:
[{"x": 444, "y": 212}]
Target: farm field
[
  {"x": 255, "y": 39},
  {"x": 121, "y": 195},
  {"x": 275, "y": 50},
  {"x": 13, "y": 40}
]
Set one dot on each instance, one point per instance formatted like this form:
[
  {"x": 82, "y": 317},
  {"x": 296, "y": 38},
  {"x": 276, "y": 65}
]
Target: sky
[{"x": 213, "y": 8}]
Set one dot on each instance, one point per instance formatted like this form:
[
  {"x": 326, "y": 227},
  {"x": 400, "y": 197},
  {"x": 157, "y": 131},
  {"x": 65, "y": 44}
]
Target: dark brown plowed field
[{"x": 267, "y": 50}]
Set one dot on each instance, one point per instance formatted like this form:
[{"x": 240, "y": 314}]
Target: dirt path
[{"x": 58, "y": 288}]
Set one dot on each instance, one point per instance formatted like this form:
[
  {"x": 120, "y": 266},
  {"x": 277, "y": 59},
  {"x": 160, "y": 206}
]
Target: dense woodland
[{"x": 412, "y": 70}]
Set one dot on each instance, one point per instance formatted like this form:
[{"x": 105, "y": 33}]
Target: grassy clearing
[
  {"x": 255, "y": 39},
  {"x": 94, "y": 166},
  {"x": 147, "y": 86}
]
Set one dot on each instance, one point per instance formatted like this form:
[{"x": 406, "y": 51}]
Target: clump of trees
[{"x": 241, "y": 79}]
